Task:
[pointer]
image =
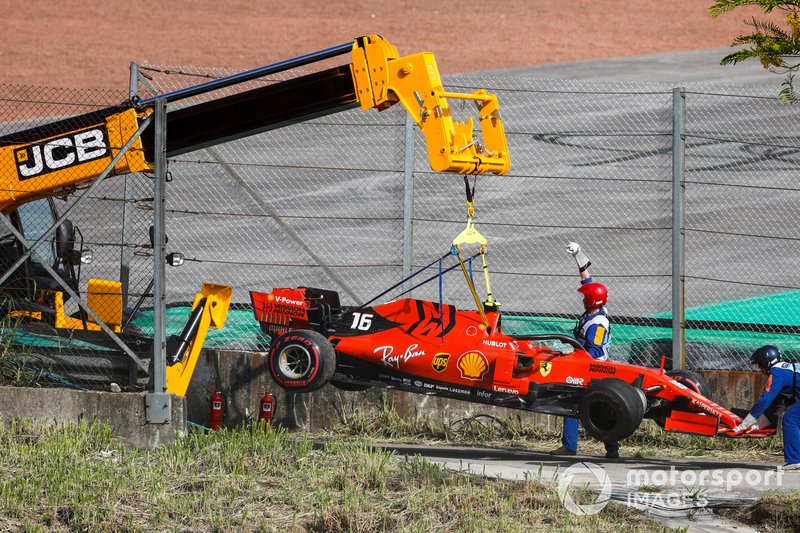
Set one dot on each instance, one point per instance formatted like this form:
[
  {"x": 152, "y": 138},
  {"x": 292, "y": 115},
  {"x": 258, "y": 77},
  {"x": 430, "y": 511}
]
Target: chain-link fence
[
  {"x": 52, "y": 139},
  {"x": 741, "y": 224},
  {"x": 347, "y": 202}
]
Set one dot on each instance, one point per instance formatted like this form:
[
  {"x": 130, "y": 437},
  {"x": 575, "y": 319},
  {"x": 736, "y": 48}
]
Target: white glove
[
  {"x": 574, "y": 249},
  {"x": 762, "y": 422},
  {"x": 746, "y": 424}
]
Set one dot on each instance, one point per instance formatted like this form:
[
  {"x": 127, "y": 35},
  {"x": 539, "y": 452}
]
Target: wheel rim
[
  {"x": 602, "y": 415},
  {"x": 294, "y": 362}
]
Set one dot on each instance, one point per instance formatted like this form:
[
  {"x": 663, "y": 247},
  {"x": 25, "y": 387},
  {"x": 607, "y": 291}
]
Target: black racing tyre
[
  {"x": 302, "y": 361},
  {"x": 691, "y": 380},
  {"x": 347, "y": 386},
  {"x": 611, "y": 409}
]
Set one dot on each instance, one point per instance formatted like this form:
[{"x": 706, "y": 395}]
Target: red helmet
[{"x": 594, "y": 294}]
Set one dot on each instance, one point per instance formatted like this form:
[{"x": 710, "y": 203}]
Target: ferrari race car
[{"x": 430, "y": 348}]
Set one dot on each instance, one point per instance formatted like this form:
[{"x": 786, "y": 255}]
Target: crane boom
[{"x": 55, "y": 158}]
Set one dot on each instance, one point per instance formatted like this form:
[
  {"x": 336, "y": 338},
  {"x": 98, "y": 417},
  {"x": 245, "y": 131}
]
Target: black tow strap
[{"x": 470, "y": 192}]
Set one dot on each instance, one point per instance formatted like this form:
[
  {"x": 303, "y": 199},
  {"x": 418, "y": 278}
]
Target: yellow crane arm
[
  {"x": 55, "y": 158},
  {"x": 383, "y": 78}
]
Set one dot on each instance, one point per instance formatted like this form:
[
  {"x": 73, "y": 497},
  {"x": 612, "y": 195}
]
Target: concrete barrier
[
  {"x": 123, "y": 411},
  {"x": 242, "y": 377}
]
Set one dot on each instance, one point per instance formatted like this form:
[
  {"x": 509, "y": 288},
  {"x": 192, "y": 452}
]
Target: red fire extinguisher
[
  {"x": 267, "y": 408},
  {"x": 215, "y": 411}
]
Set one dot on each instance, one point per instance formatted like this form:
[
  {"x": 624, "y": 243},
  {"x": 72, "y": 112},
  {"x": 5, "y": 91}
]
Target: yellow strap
[
  {"x": 472, "y": 289},
  {"x": 489, "y": 298}
]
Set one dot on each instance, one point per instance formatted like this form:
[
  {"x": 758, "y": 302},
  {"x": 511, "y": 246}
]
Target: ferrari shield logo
[
  {"x": 440, "y": 361},
  {"x": 545, "y": 367}
]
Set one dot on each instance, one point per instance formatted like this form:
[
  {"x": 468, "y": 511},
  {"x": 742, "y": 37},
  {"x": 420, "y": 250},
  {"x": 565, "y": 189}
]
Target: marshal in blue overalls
[
  {"x": 781, "y": 389},
  {"x": 593, "y": 331}
]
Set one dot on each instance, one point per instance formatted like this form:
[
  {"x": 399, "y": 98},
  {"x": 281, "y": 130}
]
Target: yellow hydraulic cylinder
[{"x": 217, "y": 301}]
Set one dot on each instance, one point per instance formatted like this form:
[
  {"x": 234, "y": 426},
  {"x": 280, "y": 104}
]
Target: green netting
[
  {"x": 26, "y": 338},
  {"x": 757, "y": 310},
  {"x": 240, "y": 324}
]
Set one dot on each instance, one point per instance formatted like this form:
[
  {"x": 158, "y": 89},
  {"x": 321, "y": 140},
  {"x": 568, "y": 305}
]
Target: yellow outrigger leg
[
  {"x": 209, "y": 310},
  {"x": 470, "y": 235}
]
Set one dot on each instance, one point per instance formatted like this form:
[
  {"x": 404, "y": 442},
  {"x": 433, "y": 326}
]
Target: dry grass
[{"x": 77, "y": 478}]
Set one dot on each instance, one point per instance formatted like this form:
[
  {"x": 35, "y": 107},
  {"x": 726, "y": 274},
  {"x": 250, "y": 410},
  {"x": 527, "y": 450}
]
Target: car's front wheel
[
  {"x": 302, "y": 361},
  {"x": 692, "y": 380},
  {"x": 611, "y": 409}
]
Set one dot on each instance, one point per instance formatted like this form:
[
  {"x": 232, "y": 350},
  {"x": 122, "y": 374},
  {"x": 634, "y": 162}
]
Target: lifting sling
[{"x": 471, "y": 235}]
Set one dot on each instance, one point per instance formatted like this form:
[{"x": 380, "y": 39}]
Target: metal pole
[
  {"x": 267, "y": 209},
  {"x": 678, "y": 164},
  {"x": 159, "y": 259},
  {"x": 124, "y": 253},
  {"x": 158, "y": 404},
  {"x": 254, "y": 73},
  {"x": 408, "y": 200}
]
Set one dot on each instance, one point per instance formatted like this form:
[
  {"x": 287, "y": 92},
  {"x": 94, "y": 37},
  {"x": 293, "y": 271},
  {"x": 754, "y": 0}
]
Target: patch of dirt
[
  {"x": 773, "y": 512},
  {"x": 90, "y": 44}
]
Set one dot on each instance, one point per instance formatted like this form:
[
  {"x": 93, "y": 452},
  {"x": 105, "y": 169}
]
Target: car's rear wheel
[
  {"x": 611, "y": 409},
  {"x": 302, "y": 361}
]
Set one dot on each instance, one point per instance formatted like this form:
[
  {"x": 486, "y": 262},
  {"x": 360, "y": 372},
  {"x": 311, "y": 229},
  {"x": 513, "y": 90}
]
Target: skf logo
[
  {"x": 545, "y": 367},
  {"x": 440, "y": 361},
  {"x": 62, "y": 152},
  {"x": 473, "y": 365}
]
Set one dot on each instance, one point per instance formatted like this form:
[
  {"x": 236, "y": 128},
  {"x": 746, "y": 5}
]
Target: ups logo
[
  {"x": 440, "y": 361},
  {"x": 72, "y": 149}
]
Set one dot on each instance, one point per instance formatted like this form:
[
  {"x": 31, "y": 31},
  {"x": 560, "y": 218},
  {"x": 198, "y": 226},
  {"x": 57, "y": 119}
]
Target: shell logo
[
  {"x": 270, "y": 297},
  {"x": 472, "y": 365}
]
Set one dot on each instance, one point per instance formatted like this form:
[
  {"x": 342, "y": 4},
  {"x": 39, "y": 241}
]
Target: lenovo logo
[{"x": 62, "y": 152}]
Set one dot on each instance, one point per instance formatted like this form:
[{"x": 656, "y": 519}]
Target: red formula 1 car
[{"x": 422, "y": 347}]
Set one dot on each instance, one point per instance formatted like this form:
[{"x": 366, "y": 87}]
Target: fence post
[
  {"x": 408, "y": 200},
  {"x": 678, "y": 165},
  {"x": 125, "y": 253},
  {"x": 158, "y": 403}
]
